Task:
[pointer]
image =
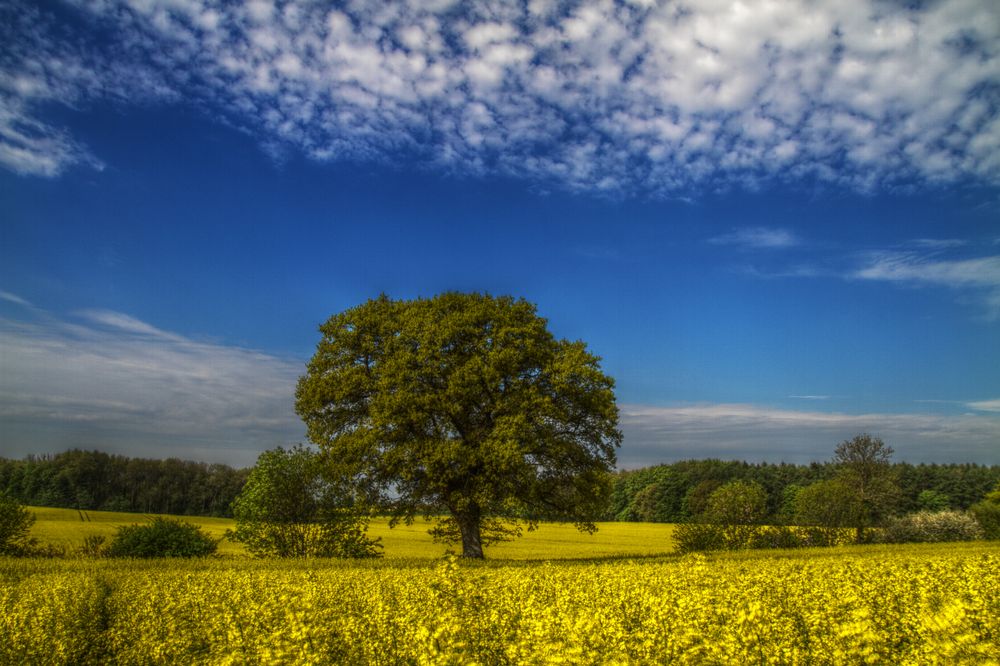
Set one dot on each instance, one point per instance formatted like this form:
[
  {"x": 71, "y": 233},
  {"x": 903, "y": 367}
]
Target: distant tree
[
  {"x": 696, "y": 498},
  {"x": 163, "y": 537},
  {"x": 987, "y": 513},
  {"x": 738, "y": 507},
  {"x": 463, "y": 404},
  {"x": 828, "y": 507},
  {"x": 863, "y": 467},
  {"x": 15, "y": 524},
  {"x": 933, "y": 500},
  {"x": 290, "y": 507}
]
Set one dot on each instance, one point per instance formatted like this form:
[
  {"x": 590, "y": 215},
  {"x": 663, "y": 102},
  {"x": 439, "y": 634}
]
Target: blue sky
[{"x": 777, "y": 223}]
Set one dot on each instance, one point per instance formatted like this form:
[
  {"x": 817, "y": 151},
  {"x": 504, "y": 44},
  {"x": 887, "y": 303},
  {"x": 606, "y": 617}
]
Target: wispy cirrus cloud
[
  {"x": 753, "y": 432},
  {"x": 979, "y": 274},
  {"x": 106, "y": 379},
  {"x": 604, "y": 96},
  {"x": 757, "y": 238}
]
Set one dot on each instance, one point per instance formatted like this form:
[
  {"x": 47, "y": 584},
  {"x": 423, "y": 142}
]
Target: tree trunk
[{"x": 468, "y": 525}]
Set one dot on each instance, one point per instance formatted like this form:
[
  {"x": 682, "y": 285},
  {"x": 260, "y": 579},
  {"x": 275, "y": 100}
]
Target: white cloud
[
  {"x": 986, "y": 405},
  {"x": 757, "y": 238},
  {"x": 113, "y": 381},
  {"x": 981, "y": 274},
  {"x": 14, "y": 298},
  {"x": 620, "y": 97},
  {"x": 750, "y": 432}
]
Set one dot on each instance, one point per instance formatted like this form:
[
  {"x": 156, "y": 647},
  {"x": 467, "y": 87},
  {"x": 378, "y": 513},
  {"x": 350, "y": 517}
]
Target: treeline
[
  {"x": 676, "y": 492},
  {"x": 668, "y": 493},
  {"x": 99, "y": 481}
]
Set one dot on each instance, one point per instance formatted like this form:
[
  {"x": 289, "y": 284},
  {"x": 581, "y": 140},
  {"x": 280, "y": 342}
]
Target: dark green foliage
[
  {"x": 732, "y": 516},
  {"x": 737, "y": 507},
  {"x": 292, "y": 507},
  {"x": 676, "y": 483},
  {"x": 827, "y": 507},
  {"x": 466, "y": 405},
  {"x": 693, "y": 536},
  {"x": 92, "y": 480},
  {"x": 933, "y": 500},
  {"x": 15, "y": 524},
  {"x": 987, "y": 513},
  {"x": 163, "y": 537}
]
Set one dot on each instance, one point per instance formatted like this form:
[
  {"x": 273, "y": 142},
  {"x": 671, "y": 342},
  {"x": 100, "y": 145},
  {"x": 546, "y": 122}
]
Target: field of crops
[
  {"x": 901, "y": 604},
  {"x": 67, "y": 528}
]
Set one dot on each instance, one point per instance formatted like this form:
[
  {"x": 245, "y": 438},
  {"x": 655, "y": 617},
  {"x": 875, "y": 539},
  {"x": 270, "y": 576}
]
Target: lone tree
[
  {"x": 463, "y": 403},
  {"x": 863, "y": 468}
]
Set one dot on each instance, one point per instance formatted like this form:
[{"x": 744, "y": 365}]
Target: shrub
[
  {"x": 928, "y": 526},
  {"x": 163, "y": 537},
  {"x": 693, "y": 537},
  {"x": 15, "y": 523},
  {"x": 777, "y": 536}
]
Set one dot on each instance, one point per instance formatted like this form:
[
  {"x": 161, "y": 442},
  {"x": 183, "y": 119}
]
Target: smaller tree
[
  {"x": 863, "y": 467},
  {"x": 15, "y": 524},
  {"x": 738, "y": 507},
  {"x": 987, "y": 513},
  {"x": 827, "y": 508},
  {"x": 164, "y": 537},
  {"x": 291, "y": 507}
]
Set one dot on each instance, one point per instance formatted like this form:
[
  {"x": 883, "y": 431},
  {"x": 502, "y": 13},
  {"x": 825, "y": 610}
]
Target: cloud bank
[
  {"x": 609, "y": 96},
  {"x": 755, "y": 433},
  {"x": 109, "y": 381}
]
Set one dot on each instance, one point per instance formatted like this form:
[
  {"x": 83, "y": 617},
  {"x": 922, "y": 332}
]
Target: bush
[
  {"x": 778, "y": 536},
  {"x": 693, "y": 537},
  {"x": 163, "y": 537},
  {"x": 15, "y": 523},
  {"x": 928, "y": 526}
]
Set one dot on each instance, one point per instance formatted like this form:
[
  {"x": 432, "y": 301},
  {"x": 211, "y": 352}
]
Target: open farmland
[
  {"x": 67, "y": 528},
  {"x": 905, "y": 604}
]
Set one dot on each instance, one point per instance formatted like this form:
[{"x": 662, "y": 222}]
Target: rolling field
[{"x": 68, "y": 528}]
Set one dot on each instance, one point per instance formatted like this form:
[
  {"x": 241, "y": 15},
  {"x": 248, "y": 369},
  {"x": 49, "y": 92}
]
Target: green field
[{"x": 67, "y": 528}]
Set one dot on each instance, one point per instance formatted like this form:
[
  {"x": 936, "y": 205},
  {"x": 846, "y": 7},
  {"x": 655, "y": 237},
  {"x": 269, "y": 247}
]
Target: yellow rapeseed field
[
  {"x": 890, "y": 605},
  {"x": 67, "y": 528}
]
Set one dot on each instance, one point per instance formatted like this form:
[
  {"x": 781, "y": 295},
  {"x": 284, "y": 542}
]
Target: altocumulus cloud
[
  {"x": 615, "y": 96},
  {"x": 107, "y": 380}
]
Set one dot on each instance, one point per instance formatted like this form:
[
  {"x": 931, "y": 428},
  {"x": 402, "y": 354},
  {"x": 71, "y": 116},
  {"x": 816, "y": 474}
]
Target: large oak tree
[{"x": 463, "y": 404}]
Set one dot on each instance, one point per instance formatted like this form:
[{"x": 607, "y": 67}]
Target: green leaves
[
  {"x": 294, "y": 505},
  {"x": 15, "y": 524},
  {"x": 462, "y": 403}
]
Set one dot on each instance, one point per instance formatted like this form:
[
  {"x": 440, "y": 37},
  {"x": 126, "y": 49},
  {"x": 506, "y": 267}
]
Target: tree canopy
[{"x": 463, "y": 404}]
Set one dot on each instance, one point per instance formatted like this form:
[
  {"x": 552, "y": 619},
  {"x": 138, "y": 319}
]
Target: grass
[{"x": 67, "y": 528}]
